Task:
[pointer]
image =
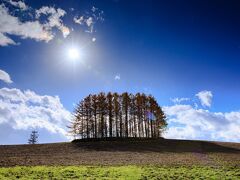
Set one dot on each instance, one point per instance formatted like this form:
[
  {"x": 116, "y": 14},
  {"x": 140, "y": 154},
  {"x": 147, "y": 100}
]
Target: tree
[
  {"x": 152, "y": 108},
  {"x": 110, "y": 112},
  {"x": 125, "y": 106},
  {"x": 88, "y": 112},
  {"x": 120, "y": 116},
  {"x": 116, "y": 112},
  {"x": 95, "y": 113},
  {"x": 77, "y": 126},
  {"x": 133, "y": 115},
  {"x": 33, "y": 137},
  {"x": 102, "y": 112},
  {"x": 139, "y": 113}
]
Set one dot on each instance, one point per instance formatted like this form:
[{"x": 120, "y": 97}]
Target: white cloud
[
  {"x": 4, "y": 40},
  {"x": 205, "y": 98},
  {"x": 79, "y": 20},
  {"x": 188, "y": 122},
  {"x": 33, "y": 29},
  {"x": 24, "y": 110},
  {"x": 89, "y": 19},
  {"x": 54, "y": 18},
  {"x": 117, "y": 77},
  {"x": 4, "y": 76},
  {"x": 94, "y": 9},
  {"x": 11, "y": 25},
  {"x": 179, "y": 100},
  {"x": 39, "y": 24},
  {"x": 94, "y": 39},
  {"x": 65, "y": 31},
  {"x": 181, "y": 133},
  {"x": 19, "y": 4}
]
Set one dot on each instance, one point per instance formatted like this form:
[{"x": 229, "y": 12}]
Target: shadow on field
[{"x": 155, "y": 145}]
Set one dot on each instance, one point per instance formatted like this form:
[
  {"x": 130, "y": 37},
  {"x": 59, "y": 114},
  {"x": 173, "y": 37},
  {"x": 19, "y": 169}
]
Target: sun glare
[{"x": 73, "y": 53}]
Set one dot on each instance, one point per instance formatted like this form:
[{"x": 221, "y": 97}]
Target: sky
[{"x": 185, "y": 53}]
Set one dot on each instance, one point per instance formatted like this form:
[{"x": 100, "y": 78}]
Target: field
[
  {"x": 122, "y": 159},
  {"x": 121, "y": 172}
]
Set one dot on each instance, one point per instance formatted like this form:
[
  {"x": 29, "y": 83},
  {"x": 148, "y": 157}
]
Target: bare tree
[
  {"x": 110, "y": 112},
  {"x": 133, "y": 115},
  {"x": 102, "y": 112},
  {"x": 116, "y": 113},
  {"x": 125, "y": 105},
  {"x": 95, "y": 110}
]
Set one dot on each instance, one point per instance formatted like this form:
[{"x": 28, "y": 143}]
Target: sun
[{"x": 73, "y": 53}]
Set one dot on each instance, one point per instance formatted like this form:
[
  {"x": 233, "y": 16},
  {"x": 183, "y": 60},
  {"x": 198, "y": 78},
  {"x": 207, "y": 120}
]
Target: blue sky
[{"x": 185, "y": 53}]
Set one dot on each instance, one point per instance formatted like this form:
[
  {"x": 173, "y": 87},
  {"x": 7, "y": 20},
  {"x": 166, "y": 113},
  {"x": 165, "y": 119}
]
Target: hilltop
[{"x": 123, "y": 152}]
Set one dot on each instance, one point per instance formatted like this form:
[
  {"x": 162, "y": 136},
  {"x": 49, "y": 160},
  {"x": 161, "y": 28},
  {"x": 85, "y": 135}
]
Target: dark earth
[{"x": 131, "y": 151}]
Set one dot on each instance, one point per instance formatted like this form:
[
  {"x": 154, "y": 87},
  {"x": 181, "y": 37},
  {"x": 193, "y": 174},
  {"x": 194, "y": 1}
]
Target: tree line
[{"x": 117, "y": 115}]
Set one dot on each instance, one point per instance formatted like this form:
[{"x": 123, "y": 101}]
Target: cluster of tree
[{"x": 118, "y": 115}]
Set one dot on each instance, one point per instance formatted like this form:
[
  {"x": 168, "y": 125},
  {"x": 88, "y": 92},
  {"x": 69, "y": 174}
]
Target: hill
[{"x": 123, "y": 152}]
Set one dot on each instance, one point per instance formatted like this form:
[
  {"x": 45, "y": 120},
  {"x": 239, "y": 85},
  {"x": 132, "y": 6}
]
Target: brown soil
[{"x": 123, "y": 152}]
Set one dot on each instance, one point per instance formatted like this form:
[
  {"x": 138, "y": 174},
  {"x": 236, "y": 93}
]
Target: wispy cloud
[
  {"x": 19, "y": 4},
  {"x": 94, "y": 39},
  {"x": 205, "y": 98},
  {"x": 179, "y": 100},
  {"x": 79, "y": 20},
  {"x": 117, "y": 77},
  {"x": 89, "y": 19},
  {"x": 4, "y": 76},
  {"x": 54, "y": 18}
]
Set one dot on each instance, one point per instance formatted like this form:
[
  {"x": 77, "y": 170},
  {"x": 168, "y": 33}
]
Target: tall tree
[
  {"x": 145, "y": 115},
  {"x": 161, "y": 122},
  {"x": 133, "y": 115},
  {"x": 116, "y": 113},
  {"x": 87, "y": 107},
  {"x": 110, "y": 112},
  {"x": 125, "y": 106},
  {"x": 77, "y": 125},
  {"x": 139, "y": 113},
  {"x": 102, "y": 112},
  {"x": 95, "y": 110},
  {"x": 120, "y": 116},
  {"x": 152, "y": 109}
]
